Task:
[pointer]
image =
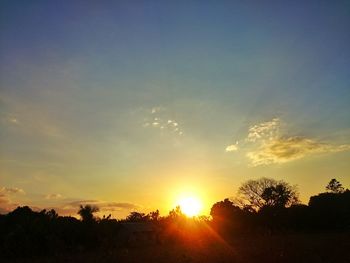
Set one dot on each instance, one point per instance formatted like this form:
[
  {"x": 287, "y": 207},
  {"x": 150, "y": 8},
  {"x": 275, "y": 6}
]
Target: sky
[{"x": 132, "y": 105}]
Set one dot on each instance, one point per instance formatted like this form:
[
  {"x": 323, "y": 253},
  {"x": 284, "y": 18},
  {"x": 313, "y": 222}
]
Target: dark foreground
[
  {"x": 330, "y": 247},
  {"x": 318, "y": 232}
]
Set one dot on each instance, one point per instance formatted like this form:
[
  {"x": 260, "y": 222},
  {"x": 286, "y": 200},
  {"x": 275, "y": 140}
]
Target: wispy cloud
[
  {"x": 287, "y": 149},
  {"x": 72, "y": 207},
  {"x": 10, "y": 119},
  {"x": 266, "y": 143},
  {"x": 6, "y": 205},
  {"x": 264, "y": 131},
  {"x": 160, "y": 119},
  {"x": 53, "y": 196},
  {"x": 11, "y": 190}
]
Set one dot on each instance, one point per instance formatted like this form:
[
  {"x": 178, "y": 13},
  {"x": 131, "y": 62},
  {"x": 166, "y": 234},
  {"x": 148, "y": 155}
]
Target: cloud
[
  {"x": 156, "y": 109},
  {"x": 12, "y": 190},
  {"x": 3, "y": 199},
  {"x": 160, "y": 119},
  {"x": 11, "y": 120},
  {"x": 5, "y": 204},
  {"x": 121, "y": 205},
  {"x": 264, "y": 131},
  {"x": 69, "y": 207},
  {"x": 104, "y": 206},
  {"x": 283, "y": 150},
  {"x": 232, "y": 147},
  {"x": 53, "y": 196},
  {"x": 267, "y": 144},
  {"x": 82, "y": 202}
]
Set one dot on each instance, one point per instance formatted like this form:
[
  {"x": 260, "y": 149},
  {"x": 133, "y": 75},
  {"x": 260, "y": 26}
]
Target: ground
[{"x": 276, "y": 248}]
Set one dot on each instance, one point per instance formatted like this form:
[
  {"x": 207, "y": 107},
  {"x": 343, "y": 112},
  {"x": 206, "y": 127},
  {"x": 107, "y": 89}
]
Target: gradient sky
[{"x": 132, "y": 104}]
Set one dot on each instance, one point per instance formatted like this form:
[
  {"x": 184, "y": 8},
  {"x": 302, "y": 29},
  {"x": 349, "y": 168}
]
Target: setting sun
[{"x": 190, "y": 206}]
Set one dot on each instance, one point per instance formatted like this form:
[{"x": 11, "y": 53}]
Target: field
[{"x": 330, "y": 247}]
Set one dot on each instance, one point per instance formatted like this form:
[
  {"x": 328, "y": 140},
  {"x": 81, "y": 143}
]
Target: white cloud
[
  {"x": 266, "y": 144},
  {"x": 156, "y": 109},
  {"x": 161, "y": 119},
  {"x": 232, "y": 148}
]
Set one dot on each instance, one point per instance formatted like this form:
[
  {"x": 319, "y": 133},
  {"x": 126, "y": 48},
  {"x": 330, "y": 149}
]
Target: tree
[
  {"x": 137, "y": 217},
  {"x": 267, "y": 192},
  {"x": 278, "y": 196},
  {"x": 222, "y": 209},
  {"x": 51, "y": 214},
  {"x": 87, "y": 212},
  {"x": 335, "y": 186},
  {"x": 176, "y": 213},
  {"x": 331, "y": 210},
  {"x": 154, "y": 216},
  {"x": 229, "y": 218}
]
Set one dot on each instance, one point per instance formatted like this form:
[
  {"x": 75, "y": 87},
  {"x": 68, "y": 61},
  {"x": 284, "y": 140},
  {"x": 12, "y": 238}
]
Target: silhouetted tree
[
  {"x": 51, "y": 214},
  {"x": 279, "y": 195},
  {"x": 228, "y": 218},
  {"x": 176, "y": 213},
  {"x": 255, "y": 194},
  {"x": 154, "y": 216},
  {"x": 331, "y": 210},
  {"x": 334, "y": 186},
  {"x": 222, "y": 209},
  {"x": 137, "y": 217},
  {"x": 87, "y": 212}
]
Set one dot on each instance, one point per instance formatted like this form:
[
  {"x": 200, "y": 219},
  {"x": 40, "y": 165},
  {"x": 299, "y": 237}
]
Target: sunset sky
[{"x": 132, "y": 105}]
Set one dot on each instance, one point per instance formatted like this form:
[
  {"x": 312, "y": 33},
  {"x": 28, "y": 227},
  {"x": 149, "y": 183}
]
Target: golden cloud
[
  {"x": 282, "y": 150},
  {"x": 12, "y": 190},
  {"x": 266, "y": 144}
]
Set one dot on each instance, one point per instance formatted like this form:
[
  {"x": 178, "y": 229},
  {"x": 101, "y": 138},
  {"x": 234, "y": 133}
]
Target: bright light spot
[{"x": 190, "y": 206}]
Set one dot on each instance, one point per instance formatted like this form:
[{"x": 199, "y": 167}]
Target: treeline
[
  {"x": 267, "y": 206},
  {"x": 27, "y": 233},
  {"x": 261, "y": 207}
]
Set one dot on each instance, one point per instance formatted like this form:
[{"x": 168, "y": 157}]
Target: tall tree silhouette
[
  {"x": 87, "y": 212},
  {"x": 334, "y": 186},
  {"x": 255, "y": 194}
]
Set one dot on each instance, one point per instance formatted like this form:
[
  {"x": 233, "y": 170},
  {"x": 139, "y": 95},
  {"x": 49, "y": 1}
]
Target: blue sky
[{"x": 133, "y": 102}]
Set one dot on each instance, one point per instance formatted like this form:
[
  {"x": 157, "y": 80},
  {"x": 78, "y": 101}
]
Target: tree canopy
[
  {"x": 334, "y": 186},
  {"x": 255, "y": 194},
  {"x": 87, "y": 212}
]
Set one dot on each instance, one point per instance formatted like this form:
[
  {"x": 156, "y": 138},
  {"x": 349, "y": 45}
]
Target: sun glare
[{"x": 190, "y": 206}]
